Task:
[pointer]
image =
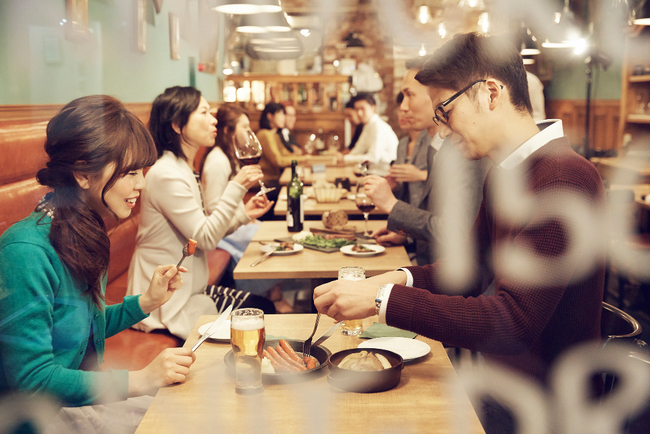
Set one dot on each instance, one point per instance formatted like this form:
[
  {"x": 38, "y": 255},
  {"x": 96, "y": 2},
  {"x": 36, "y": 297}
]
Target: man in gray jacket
[{"x": 443, "y": 205}]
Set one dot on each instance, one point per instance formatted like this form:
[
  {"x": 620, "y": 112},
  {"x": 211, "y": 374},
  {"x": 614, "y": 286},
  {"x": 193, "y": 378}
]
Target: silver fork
[{"x": 306, "y": 346}]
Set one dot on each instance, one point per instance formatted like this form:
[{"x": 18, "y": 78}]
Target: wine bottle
[{"x": 295, "y": 201}]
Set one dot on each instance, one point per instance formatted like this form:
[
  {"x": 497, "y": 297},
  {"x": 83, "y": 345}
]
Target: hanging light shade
[
  {"x": 262, "y": 23},
  {"x": 564, "y": 31},
  {"x": 642, "y": 15},
  {"x": 244, "y": 7}
]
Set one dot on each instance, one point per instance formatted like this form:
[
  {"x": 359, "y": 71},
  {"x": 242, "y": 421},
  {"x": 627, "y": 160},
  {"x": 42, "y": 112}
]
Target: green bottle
[{"x": 295, "y": 201}]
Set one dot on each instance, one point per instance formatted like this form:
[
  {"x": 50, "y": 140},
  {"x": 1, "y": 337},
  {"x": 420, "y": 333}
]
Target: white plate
[
  {"x": 221, "y": 335},
  {"x": 376, "y": 249},
  {"x": 409, "y": 349},
  {"x": 272, "y": 246}
]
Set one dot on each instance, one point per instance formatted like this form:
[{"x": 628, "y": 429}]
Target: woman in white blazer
[{"x": 173, "y": 211}]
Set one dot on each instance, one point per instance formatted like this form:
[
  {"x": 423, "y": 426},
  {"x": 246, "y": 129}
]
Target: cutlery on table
[
  {"x": 266, "y": 255},
  {"x": 327, "y": 334},
  {"x": 188, "y": 250},
  {"x": 213, "y": 328},
  {"x": 306, "y": 346}
]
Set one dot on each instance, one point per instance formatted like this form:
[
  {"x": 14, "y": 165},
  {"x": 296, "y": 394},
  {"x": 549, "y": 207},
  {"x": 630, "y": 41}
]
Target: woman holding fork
[
  {"x": 53, "y": 267},
  {"x": 173, "y": 210}
]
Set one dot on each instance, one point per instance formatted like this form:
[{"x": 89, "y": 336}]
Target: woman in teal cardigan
[{"x": 53, "y": 265}]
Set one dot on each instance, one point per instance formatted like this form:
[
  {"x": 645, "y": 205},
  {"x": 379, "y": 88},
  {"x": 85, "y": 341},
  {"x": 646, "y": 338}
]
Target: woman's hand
[
  {"x": 249, "y": 176},
  {"x": 257, "y": 206},
  {"x": 165, "y": 281},
  {"x": 171, "y": 366},
  {"x": 407, "y": 173}
]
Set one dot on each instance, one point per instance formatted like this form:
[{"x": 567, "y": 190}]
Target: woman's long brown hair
[
  {"x": 227, "y": 117},
  {"x": 89, "y": 135}
]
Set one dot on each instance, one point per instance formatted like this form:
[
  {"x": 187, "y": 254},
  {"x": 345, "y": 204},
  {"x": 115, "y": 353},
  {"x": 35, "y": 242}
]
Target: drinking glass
[
  {"x": 365, "y": 205},
  {"x": 247, "y": 335},
  {"x": 352, "y": 327},
  {"x": 249, "y": 151}
]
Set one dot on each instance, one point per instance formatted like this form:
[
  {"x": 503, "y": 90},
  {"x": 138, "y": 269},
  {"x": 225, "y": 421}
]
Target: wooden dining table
[
  {"x": 308, "y": 263},
  {"x": 428, "y": 399},
  {"x": 314, "y": 208}
]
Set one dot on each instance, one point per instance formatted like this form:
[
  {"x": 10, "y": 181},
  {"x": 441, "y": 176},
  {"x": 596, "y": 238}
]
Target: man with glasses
[
  {"x": 536, "y": 287},
  {"x": 420, "y": 199}
]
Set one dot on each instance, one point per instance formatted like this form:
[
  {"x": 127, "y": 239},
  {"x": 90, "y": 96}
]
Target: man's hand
[
  {"x": 257, "y": 206},
  {"x": 407, "y": 173},
  {"x": 347, "y": 299},
  {"x": 384, "y": 237},
  {"x": 380, "y": 193}
]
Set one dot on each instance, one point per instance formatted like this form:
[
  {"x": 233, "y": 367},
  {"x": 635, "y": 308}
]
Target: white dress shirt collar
[
  {"x": 436, "y": 142},
  {"x": 549, "y": 129}
]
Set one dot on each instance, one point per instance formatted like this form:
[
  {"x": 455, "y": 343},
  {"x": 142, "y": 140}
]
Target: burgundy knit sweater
[{"x": 522, "y": 325}]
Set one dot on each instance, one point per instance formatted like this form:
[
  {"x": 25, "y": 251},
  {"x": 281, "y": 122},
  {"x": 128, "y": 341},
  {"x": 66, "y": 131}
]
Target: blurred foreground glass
[
  {"x": 352, "y": 327},
  {"x": 247, "y": 336}
]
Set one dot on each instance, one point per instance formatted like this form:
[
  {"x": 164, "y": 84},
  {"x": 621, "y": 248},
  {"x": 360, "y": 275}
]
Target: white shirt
[
  {"x": 377, "y": 143},
  {"x": 549, "y": 130}
]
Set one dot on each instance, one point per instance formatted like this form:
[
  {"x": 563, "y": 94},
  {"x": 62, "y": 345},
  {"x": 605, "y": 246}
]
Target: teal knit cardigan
[{"x": 46, "y": 322}]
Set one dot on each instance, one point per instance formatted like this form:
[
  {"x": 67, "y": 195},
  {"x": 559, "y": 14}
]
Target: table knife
[
  {"x": 213, "y": 328},
  {"x": 266, "y": 255},
  {"x": 326, "y": 335}
]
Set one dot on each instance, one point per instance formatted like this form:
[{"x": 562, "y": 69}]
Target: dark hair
[
  {"x": 400, "y": 98},
  {"x": 173, "y": 107},
  {"x": 366, "y": 96},
  {"x": 470, "y": 57},
  {"x": 350, "y": 104},
  {"x": 227, "y": 117},
  {"x": 270, "y": 109},
  {"x": 417, "y": 62},
  {"x": 88, "y": 135}
]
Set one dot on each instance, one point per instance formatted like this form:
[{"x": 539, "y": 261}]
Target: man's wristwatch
[{"x": 380, "y": 297}]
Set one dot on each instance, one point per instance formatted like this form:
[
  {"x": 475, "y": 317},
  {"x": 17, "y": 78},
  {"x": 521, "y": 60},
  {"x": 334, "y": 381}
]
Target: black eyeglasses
[{"x": 442, "y": 116}]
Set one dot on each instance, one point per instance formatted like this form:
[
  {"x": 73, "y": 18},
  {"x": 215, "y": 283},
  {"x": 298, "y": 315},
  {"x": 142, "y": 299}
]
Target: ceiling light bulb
[{"x": 423, "y": 14}]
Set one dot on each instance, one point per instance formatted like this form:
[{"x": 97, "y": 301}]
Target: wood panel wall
[{"x": 603, "y": 124}]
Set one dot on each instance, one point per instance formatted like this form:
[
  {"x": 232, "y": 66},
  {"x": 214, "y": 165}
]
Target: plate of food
[
  {"x": 409, "y": 349},
  {"x": 221, "y": 335},
  {"x": 278, "y": 365},
  {"x": 282, "y": 248},
  {"x": 362, "y": 249}
]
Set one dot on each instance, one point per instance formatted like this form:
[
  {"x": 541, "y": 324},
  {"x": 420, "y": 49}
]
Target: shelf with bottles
[{"x": 317, "y": 92}]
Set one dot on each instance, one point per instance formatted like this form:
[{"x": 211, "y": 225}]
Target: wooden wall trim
[{"x": 603, "y": 124}]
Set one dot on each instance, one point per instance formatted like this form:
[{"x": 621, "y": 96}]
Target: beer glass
[
  {"x": 352, "y": 327},
  {"x": 247, "y": 336}
]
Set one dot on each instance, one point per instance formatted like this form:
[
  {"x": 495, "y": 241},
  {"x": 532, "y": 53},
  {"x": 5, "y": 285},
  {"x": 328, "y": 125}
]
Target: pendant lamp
[
  {"x": 642, "y": 17},
  {"x": 262, "y": 23},
  {"x": 244, "y": 7},
  {"x": 565, "y": 33}
]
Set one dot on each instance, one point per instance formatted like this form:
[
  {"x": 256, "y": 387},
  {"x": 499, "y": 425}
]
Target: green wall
[{"x": 38, "y": 65}]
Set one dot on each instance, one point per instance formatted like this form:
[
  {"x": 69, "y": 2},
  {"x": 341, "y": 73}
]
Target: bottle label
[{"x": 302, "y": 208}]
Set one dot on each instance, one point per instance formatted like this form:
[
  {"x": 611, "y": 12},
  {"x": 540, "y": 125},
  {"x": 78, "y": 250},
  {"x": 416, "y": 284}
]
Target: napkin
[{"x": 378, "y": 330}]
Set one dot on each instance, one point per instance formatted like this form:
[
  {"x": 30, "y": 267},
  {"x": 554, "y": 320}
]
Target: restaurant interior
[{"x": 591, "y": 56}]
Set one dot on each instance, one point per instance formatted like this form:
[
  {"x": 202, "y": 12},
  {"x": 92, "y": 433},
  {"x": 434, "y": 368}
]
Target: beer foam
[{"x": 246, "y": 324}]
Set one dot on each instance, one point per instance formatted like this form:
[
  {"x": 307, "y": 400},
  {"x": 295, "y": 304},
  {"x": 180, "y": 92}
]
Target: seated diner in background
[
  {"x": 173, "y": 211},
  {"x": 53, "y": 267},
  {"x": 424, "y": 200},
  {"x": 275, "y": 155},
  {"x": 545, "y": 284},
  {"x": 218, "y": 167},
  {"x": 286, "y": 133},
  {"x": 377, "y": 142}
]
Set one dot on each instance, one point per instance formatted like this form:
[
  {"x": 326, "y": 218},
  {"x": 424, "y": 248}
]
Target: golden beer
[
  {"x": 247, "y": 337},
  {"x": 352, "y": 327}
]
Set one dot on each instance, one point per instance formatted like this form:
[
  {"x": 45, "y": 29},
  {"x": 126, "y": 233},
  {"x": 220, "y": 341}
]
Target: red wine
[
  {"x": 365, "y": 208},
  {"x": 247, "y": 161}
]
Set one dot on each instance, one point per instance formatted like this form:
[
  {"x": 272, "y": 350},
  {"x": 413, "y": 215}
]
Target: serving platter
[{"x": 320, "y": 352}]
